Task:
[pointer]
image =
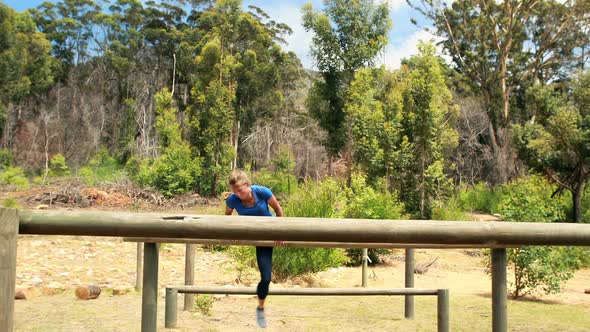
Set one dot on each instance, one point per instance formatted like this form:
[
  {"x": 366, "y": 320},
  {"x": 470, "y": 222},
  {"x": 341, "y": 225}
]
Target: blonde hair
[{"x": 238, "y": 177}]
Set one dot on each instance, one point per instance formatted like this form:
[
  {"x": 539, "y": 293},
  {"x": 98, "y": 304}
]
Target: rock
[
  {"x": 36, "y": 281},
  {"x": 87, "y": 293},
  {"x": 19, "y": 294},
  {"x": 26, "y": 293},
  {"x": 42, "y": 207},
  {"x": 587, "y": 291}
]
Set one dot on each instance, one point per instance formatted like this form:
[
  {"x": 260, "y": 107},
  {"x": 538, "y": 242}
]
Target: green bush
[
  {"x": 14, "y": 176},
  {"x": 57, "y": 165},
  {"x": 528, "y": 199},
  {"x": 543, "y": 269},
  {"x": 291, "y": 262},
  {"x": 10, "y": 203},
  {"x": 316, "y": 199},
  {"x": 176, "y": 171},
  {"x": 87, "y": 175},
  {"x": 479, "y": 198},
  {"x": 365, "y": 202},
  {"x": 5, "y": 159},
  {"x": 204, "y": 304},
  {"x": 101, "y": 168},
  {"x": 312, "y": 200},
  {"x": 279, "y": 182},
  {"x": 243, "y": 261},
  {"x": 450, "y": 210}
]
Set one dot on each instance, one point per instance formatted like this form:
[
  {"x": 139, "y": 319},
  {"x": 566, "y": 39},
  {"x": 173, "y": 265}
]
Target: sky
[{"x": 403, "y": 38}]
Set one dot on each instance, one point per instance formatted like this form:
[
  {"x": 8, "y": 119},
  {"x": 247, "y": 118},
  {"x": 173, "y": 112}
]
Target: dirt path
[{"x": 55, "y": 263}]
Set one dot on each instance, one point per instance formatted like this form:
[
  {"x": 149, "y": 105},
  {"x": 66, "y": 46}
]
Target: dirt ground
[{"x": 56, "y": 265}]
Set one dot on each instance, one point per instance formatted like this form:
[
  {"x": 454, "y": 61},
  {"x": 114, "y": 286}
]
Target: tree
[
  {"x": 68, "y": 24},
  {"x": 25, "y": 65},
  {"x": 490, "y": 42},
  {"x": 401, "y": 127},
  {"x": 348, "y": 36},
  {"x": 558, "y": 144},
  {"x": 238, "y": 72},
  {"x": 176, "y": 171},
  {"x": 427, "y": 123}
]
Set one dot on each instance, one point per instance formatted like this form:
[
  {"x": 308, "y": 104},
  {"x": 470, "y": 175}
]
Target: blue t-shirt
[{"x": 261, "y": 196}]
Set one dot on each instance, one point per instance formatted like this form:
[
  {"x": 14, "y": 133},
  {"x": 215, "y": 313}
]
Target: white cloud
[{"x": 393, "y": 55}]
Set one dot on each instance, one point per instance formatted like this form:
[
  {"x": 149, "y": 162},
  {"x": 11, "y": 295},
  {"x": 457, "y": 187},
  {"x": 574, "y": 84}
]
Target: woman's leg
[{"x": 264, "y": 260}]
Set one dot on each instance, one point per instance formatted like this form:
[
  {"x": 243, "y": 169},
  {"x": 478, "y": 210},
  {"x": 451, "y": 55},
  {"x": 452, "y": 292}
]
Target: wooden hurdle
[
  {"x": 402, "y": 232},
  {"x": 170, "y": 315}
]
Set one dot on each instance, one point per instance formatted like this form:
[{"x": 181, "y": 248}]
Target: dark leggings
[{"x": 264, "y": 260}]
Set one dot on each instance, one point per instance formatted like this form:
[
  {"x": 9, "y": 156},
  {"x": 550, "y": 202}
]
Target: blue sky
[{"x": 403, "y": 38}]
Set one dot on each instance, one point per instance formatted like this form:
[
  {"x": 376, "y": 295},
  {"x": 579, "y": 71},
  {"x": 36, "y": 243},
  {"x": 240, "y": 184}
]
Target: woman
[{"x": 252, "y": 200}]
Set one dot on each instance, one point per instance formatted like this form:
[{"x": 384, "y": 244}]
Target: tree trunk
[{"x": 577, "y": 194}]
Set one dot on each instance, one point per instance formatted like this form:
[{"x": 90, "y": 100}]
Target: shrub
[
  {"x": 14, "y": 176},
  {"x": 87, "y": 175},
  {"x": 57, "y": 165},
  {"x": 10, "y": 203},
  {"x": 543, "y": 269},
  {"x": 243, "y": 261},
  {"x": 364, "y": 202},
  {"x": 5, "y": 159},
  {"x": 279, "y": 182},
  {"x": 479, "y": 198},
  {"x": 312, "y": 200},
  {"x": 101, "y": 167},
  {"x": 450, "y": 210},
  {"x": 316, "y": 199},
  {"x": 204, "y": 304},
  {"x": 290, "y": 262},
  {"x": 176, "y": 171},
  {"x": 529, "y": 199}
]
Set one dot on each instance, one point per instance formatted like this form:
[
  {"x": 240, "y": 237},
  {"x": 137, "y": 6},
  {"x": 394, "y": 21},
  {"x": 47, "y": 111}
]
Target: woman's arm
[
  {"x": 272, "y": 201},
  {"x": 228, "y": 211},
  {"x": 279, "y": 212}
]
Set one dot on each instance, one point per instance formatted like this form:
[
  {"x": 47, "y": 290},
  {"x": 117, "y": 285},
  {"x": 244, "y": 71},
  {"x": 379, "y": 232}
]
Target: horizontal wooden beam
[
  {"x": 303, "y": 244},
  {"x": 306, "y": 291},
  {"x": 120, "y": 224}
]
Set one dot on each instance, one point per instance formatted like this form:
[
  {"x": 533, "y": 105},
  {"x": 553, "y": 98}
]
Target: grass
[{"x": 290, "y": 313}]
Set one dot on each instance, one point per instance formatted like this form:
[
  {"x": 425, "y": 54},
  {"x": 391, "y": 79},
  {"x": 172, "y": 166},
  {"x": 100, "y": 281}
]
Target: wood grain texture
[{"x": 8, "y": 236}]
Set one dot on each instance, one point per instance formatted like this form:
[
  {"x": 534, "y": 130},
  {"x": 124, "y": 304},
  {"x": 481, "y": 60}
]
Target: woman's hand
[{"x": 279, "y": 243}]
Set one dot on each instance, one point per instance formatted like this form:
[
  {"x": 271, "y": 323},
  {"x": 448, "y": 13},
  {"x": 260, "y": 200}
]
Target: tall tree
[
  {"x": 238, "y": 71},
  {"x": 348, "y": 35},
  {"x": 26, "y": 68},
  {"x": 490, "y": 42},
  {"x": 401, "y": 127},
  {"x": 558, "y": 144}
]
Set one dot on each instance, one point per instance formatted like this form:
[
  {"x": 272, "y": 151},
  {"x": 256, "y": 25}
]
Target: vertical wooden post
[
  {"x": 499, "y": 292},
  {"x": 139, "y": 267},
  {"x": 8, "y": 237},
  {"x": 149, "y": 300},
  {"x": 409, "y": 299},
  {"x": 170, "y": 314},
  {"x": 365, "y": 265},
  {"x": 443, "y": 310},
  {"x": 189, "y": 275}
]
